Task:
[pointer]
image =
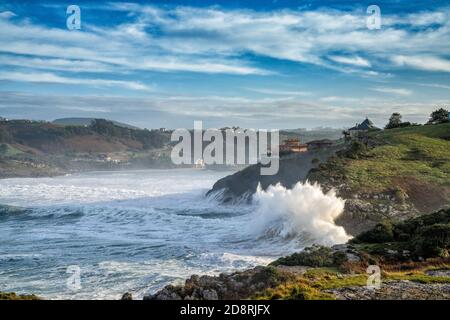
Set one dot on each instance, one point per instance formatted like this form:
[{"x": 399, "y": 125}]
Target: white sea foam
[{"x": 303, "y": 211}]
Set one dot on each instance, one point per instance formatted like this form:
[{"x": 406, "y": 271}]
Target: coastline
[{"x": 341, "y": 272}]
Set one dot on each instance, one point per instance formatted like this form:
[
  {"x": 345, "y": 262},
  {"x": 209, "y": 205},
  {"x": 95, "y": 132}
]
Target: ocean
[{"x": 98, "y": 235}]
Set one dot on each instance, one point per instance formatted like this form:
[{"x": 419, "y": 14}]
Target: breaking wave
[{"x": 303, "y": 213}]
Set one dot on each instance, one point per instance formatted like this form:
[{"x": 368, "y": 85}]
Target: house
[
  {"x": 363, "y": 127},
  {"x": 293, "y": 146},
  {"x": 319, "y": 144}
]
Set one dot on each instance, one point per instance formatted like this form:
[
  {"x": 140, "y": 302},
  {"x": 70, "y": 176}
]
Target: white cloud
[
  {"x": 352, "y": 60},
  {"x": 397, "y": 91},
  {"x": 53, "y": 78},
  {"x": 280, "y": 92},
  {"x": 7, "y": 14},
  {"x": 434, "y": 85},
  {"x": 339, "y": 99},
  {"x": 428, "y": 63},
  {"x": 55, "y": 64},
  {"x": 212, "y": 40}
]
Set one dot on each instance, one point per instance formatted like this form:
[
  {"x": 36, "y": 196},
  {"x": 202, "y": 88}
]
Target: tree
[
  {"x": 439, "y": 116},
  {"x": 395, "y": 121}
]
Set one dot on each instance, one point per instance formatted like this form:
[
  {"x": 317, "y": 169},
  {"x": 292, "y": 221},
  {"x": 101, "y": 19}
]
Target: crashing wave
[{"x": 303, "y": 212}]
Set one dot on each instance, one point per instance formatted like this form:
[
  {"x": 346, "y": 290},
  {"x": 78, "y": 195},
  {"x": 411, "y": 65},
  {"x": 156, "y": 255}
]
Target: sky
[{"x": 255, "y": 64}]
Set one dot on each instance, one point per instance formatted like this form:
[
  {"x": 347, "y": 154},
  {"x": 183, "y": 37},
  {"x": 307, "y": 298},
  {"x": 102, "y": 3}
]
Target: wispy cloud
[
  {"x": 213, "y": 40},
  {"x": 434, "y": 85},
  {"x": 352, "y": 60},
  {"x": 47, "y": 77},
  {"x": 280, "y": 92},
  {"x": 397, "y": 91},
  {"x": 428, "y": 63},
  {"x": 230, "y": 50}
]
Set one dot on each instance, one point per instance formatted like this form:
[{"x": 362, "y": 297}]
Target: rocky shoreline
[{"x": 414, "y": 264}]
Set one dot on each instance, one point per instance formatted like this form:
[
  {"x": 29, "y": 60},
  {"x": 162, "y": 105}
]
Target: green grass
[
  {"x": 421, "y": 153},
  {"x": 417, "y": 276},
  {"x": 312, "y": 284},
  {"x": 293, "y": 291},
  {"x": 329, "y": 278}
]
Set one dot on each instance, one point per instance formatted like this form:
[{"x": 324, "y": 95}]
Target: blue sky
[{"x": 258, "y": 63}]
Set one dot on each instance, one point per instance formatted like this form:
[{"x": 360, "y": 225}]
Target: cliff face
[
  {"x": 293, "y": 168},
  {"x": 395, "y": 174}
]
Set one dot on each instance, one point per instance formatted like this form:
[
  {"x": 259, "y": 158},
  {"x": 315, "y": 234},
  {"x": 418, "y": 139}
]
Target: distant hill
[
  {"x": 313, "y": 134},
  {"x": 87, "y": 122},
  {"x": 99, "y": 136},
  {"x": 39, "y": 148}
]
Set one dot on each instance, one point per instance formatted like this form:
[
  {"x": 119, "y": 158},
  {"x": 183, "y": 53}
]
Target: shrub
[
  {"x": 382, "y": 232},
  {"x": 339, "y": 258},
  {"x": 269, "y": 275},
  {"x": 315, "y": 256},
  {"x": 356, "y": 150},
  {"x": 433, "y": 241}
]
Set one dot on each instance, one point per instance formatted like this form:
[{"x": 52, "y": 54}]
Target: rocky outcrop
[
  {"x": 293, "y": 168},
  {"x": 395, "y": 290},
  {"x": 127, "y": 296},
  {"x": 238, "y": 285}
]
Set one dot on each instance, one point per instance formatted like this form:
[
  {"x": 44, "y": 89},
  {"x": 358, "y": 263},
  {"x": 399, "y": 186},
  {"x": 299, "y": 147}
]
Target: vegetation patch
[
  {"x": 315, "y": 256},
  {"x": 425, "y": 236},
  {"x": 14, "y": 296}
]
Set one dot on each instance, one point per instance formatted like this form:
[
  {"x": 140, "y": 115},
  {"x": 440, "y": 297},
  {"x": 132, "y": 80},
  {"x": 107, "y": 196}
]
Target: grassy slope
[
  {"x": 414, "y": 161},
  {"x": 420, "y": 153}
]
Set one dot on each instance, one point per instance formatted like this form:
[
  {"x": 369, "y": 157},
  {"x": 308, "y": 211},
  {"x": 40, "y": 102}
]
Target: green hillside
[
  {"x": 38, "y": 148},
  {"x": 407, "y": 169}
]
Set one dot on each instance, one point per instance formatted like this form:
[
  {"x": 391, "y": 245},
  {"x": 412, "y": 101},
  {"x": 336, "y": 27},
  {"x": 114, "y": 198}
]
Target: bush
[
  {"x": 382, "y": 232},
  {"x": 410, "y": 229},
  {"x": 269, "y": 275},
  {"x": 434, "y": 241},
  {"x": 315, "y": 256},
  {"x": 425, "y": 236},
  {"x": 356, "y": 150},
  {"x": 339, "y": 258}
]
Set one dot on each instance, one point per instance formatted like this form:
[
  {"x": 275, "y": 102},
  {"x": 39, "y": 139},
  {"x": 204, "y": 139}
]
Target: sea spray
[{"x": 301, "y": 212}]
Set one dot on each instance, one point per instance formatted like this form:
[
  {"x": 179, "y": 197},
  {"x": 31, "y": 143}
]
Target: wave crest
[{"x": 303, "y": 212}]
